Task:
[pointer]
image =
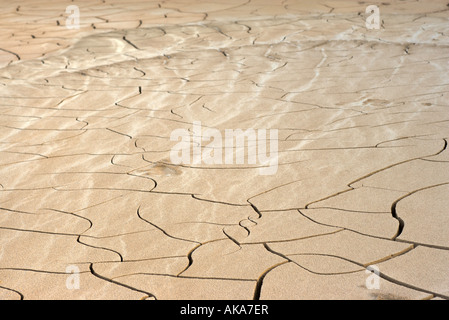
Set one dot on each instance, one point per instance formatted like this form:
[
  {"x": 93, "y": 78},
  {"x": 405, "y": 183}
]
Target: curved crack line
[
  {"x": 222, "y": 167},
  {"x": 296, "y": 239},
  {"x": 130, "y": 43},
  {"x": 100, "y": 248},
  {"x": 399, "y": 139},
  {"x": 439, "y": 161},
  {"x": 204, "y": 107},
  {"x": 248, "y": 232},
  {"x": 116, "y": 235},
  {"x": 78, "y": 240},
  {"x": 362, "y": 267},
  {"x": 18, "y": 211},
  {"x": 251, "y": 220},
  {"x": 26, "y": 153},
  {"x": 162, "y": 230},
  {"x": 272, "y": 189},
  {"x": 351, "y": 188},
  {"x": 38, "y": 271},
  {"x": 218, "y": 202},
  {"x": 348, "y": 210},
  {"x": 208, "y": 223},
  {"x": 211, "y": 167},
  {"x": 143, "y": 177},
  {"x": 441, "y": 151},
  {"x": 389, "y": 257},
  {"x": 137, "y": 147},
  {"x": 184, "y": 277},
  {"x": 10, "y": 52},
  {"x": 190, "y": 255},
  {"x": 122, "y": 134},
  {"x": 174, "y": 113},
  {"x": 381, "y": 275},
  {"x": 259, "y": 214},
  {"x": 394, "y": 205},
  {"x": 139, "y": 260},
  {"x": 410, "y": 286},
  {"x": 147, "y": 294},
  {"x": 247, "y": 229},
  {"x": 43, "y": 129},
  {"x": 15, "y": 291},
  {"x": 83, "y": 121},
  {"x": 397, "y": 164},
  {"x": 259, "y": 283},
  {"x": 231, "y": 238},
  {"x": 42, "y": 232},
  {"x": 143, "y": 73},
  {"x": 190, "y": 259},
  {"x": 342, "y": 228},
  {"x": 75, "y": 215},
  {"x": 415, "y": 244}
]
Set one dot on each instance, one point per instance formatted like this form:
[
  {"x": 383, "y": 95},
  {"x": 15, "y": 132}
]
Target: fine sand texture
[{"x": 92, "y": 205}]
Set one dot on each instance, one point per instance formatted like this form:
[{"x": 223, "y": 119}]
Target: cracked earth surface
[{"x": 86, "y": 178}]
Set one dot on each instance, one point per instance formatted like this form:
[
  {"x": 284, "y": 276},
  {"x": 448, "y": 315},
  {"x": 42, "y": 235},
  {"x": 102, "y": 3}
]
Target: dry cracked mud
[{"x": 86, "y": 181}]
